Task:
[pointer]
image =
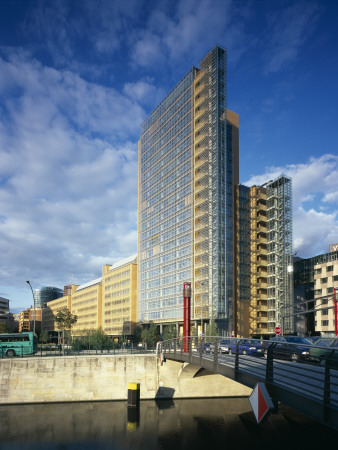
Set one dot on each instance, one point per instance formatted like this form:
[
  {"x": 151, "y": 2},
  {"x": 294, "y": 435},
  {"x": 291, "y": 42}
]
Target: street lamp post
[{"x": 28, "y": 282}]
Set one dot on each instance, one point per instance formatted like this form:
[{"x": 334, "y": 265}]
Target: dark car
[
  {"x": 295, "y": 348},
  {"x": 251, "y": 347},
  {"x": 325, "y": 351}
]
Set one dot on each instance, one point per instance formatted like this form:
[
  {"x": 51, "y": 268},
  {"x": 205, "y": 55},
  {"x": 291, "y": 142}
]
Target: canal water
[{"x": 208, "y": 424}]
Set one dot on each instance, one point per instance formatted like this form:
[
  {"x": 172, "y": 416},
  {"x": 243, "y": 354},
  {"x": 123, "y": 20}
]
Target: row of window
[
  {"x": 167, "y": 119},
  {"x": 117, "y": 302},
  {"x": 324, "y": 291},
  {"x": 162, "y": 170},
  {"x": 117, "y": 285},
  {"x": 172, "y": 278},
  {"x": 179, "y": 131},
  {"x": 169, "y": 223},
  {"x": 117, "y": 293},
  {"x": 166, "y": 185},
  {"x": 116, "y": 276},
  {"x": 175, "y": 231},
  {"x": 84, "y": 302}
]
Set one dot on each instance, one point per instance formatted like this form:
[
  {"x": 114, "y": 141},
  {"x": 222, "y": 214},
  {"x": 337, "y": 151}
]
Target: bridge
[{"x": 302, "y": 385}]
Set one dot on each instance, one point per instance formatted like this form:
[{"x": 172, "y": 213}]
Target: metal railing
[
  {"x": 57, "y": 351},
  {"x": 289, "y": 372}
]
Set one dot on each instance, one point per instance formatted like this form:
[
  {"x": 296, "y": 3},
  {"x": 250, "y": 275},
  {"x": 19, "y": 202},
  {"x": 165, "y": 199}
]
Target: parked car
[
  {"x": 325, "y": 351},
  {"x": 246, "y": 347},
  {"x": 295, "y": 348},
  {"x": 222, "y": 346}
]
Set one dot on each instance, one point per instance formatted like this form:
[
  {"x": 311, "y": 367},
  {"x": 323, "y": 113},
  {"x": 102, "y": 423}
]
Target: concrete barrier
[{"x": 106, "y": 377}]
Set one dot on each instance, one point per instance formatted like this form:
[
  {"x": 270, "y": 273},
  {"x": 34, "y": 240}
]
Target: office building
[
  {"x": 188, "y": 165},
  {"x": 325, "y": 282},
  {"x": 263, "y": 273},
  {"x": 119, "y": 297},
  {"x": 108, "y": 302},
  {"x": 30, "y": 319},
  {"x": 6, "y": 319},
  {"x": 46, "y": 294},
  {"x": 54, "y": 306},
  {"x": 279, "y": 255},
  {"x": 86, "y": 304}
]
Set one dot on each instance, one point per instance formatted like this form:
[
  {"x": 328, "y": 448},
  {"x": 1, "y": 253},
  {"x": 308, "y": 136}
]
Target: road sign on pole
[
  {"x": 278, "y": 330},
  {"x": 260, "y": 402}
]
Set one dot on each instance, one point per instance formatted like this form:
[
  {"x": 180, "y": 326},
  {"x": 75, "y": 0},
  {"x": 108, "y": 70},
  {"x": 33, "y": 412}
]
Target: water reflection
[{"x": 161, "y": 424}]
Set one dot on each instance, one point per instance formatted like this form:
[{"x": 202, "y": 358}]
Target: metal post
[
  {"x": 186, "y": 315},
  {"x": 28, "y": 282}
]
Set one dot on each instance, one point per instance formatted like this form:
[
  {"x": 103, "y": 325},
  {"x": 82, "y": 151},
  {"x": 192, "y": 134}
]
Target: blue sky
[{"x": 77, "y": 77}]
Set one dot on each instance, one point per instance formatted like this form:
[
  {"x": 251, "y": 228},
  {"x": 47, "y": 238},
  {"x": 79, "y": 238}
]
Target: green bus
[{"x": 18, "y": 344}]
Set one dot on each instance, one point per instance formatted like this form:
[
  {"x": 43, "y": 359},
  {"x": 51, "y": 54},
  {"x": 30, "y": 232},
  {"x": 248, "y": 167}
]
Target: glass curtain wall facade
[
  {"x": 279, "y": 254},
  {"x": 187, "y": 168},
  {"x": 46, "y": 294}
]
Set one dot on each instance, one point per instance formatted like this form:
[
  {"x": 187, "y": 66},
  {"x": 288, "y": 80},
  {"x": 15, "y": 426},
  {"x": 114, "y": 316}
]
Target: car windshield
[
  {"x": 298, "y": 340},
  {"x": 323, "y": 343}
]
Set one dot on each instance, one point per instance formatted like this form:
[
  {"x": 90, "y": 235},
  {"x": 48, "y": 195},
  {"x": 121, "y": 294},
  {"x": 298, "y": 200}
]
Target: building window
[
  {"x": 329, "y": 290},
  {"x": 318, "y": 271},
  {"x": 329, "y": 269},
  {"x": 318, "y": 292},
  {"x": 323, "y": 280},
  {"x": 325, "y": 323}
]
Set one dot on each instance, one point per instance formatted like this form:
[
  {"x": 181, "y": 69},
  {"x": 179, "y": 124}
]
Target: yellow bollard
[{"x": 133, "y": 394}]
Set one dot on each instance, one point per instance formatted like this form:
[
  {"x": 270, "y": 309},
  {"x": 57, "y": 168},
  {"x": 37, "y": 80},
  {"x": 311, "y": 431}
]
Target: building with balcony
[
  {"x": 310, "y": 289},
  {"x": 188, "y": 166},
  {"x": 262, "y": 258}
]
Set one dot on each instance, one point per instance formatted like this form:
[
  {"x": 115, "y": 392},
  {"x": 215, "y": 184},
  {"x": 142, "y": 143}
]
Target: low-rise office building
[
  {"x": 119, "y": 297},
  {"x": 86, "y": 304},
  {"x": 108, "y": 302},
  {"x": 325, "y": 282}
]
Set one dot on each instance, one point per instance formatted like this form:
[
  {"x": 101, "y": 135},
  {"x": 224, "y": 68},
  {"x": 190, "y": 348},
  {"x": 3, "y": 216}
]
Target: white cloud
[
  {"x": 315, "y": 212},
  {"x": 68, "y": 178}
]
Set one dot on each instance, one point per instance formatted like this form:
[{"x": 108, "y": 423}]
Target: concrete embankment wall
[{"x": 106, "y": 377}]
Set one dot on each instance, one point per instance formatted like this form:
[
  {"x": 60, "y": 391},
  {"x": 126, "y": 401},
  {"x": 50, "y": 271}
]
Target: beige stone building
[
  {"x": 30, "y": 318},
  {"x": 86, "y": 304},
  {"x": 108, "y": 302},
  {"x": 326, "y": 279},
  {"x": 119, "y": 297}
]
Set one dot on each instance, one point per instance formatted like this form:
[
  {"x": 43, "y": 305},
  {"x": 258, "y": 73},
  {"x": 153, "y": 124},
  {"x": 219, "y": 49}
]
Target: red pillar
[{"x": 186, "y": 315}]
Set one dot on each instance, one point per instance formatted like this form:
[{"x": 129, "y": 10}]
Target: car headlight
[
  {"x": 252, "y": 348},
  {"x": 305, "y": 353}
]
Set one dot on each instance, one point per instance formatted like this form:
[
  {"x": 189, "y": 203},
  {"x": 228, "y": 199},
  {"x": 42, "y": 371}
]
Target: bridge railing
[{"x": 287, "y": 369}]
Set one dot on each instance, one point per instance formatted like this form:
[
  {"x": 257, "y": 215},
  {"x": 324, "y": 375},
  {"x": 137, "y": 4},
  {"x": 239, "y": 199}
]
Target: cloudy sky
[{"x": 77, "y": 78}]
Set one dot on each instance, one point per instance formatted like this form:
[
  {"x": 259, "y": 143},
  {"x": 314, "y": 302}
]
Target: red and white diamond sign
[{"x": 260, "y": 401}]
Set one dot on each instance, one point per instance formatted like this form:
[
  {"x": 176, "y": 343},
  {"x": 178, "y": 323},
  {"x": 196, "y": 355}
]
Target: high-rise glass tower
[{"x": 188, "y": 165}]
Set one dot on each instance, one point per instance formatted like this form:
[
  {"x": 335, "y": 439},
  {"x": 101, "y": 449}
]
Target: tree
[
  {"x": 96, "y": 340},
  {"x": 212, "y": 329},
  {"x": 170, "y": 332},
  {"x": 64, "y": 319},
  {"x": 150, "y": 335},
  {"x": 3, "y": 327},
  {"x": 44, "y": 337},
  {"x": 138, "y": 334}
]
